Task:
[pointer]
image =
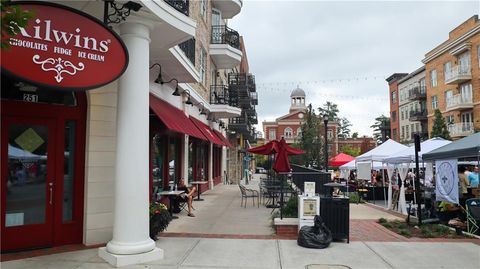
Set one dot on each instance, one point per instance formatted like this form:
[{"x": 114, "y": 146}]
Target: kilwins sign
[{"x": 64, "y": 48}]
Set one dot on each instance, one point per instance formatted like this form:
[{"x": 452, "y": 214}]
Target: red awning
[
  {"x": 174, "y": 118},
  {"x": 224, "y": 139},
  {"x": 207, "y": 131},
  {"x": 340, "y": 159}
]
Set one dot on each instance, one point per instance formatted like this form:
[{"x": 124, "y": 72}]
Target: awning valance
[
  {"x": 224, "y": 139},
  {"x": 206, "y": 131},
  {"x": 174, "y": 118}
]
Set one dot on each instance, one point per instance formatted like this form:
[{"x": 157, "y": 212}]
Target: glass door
[
  {"x": 27, "y": 182},
  {"x": 216, "y": 27}
]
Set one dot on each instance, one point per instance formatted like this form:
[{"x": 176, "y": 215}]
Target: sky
[{"x": 340, "y": 51}]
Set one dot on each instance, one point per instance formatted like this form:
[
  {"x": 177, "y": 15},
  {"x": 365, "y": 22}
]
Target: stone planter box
[{"x": 286, "y": 226}]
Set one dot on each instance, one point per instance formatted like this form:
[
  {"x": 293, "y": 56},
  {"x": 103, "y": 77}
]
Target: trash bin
[{"x": 335, "y": 213}]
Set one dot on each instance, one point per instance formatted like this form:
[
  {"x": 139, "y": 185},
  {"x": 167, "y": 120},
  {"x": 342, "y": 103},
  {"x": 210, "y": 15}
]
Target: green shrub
[
  {"x": 404, "y": 232},
  {"x": 442, "y": 229},
  {"x": 387, "y": 225},
  {"x": 355, "y": 198},
  {"x": 402, "y": 226},
  {"x": 290, "y": 209},
  {"x": 382, "y": 220}
]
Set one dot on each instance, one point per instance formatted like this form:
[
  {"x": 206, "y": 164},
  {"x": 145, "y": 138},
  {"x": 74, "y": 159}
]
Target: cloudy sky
[{"x": 340, "y": 51}]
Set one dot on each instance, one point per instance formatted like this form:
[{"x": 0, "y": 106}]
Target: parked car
[{"x": 260, "y": 170}]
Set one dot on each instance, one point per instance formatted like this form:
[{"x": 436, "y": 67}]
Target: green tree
[
  {"x": 381, "y": 128},
  {"x": 310, "y": 141},
  {"x": 331, "y": 109},
  {"x": 355, "y": 135},
  {"x": 439, "y": 128},
  {"x": 344, "y": 127},
  {"x": 13, "y": 18},
  {"x": 352, "y": 151}
]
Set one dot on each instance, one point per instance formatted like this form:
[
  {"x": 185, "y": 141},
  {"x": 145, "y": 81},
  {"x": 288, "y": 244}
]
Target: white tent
[
  {"x": 408, "y": 155},
  {"x": 20, "y": 154},
  {"x": 381, "y": 152},
  {"x": 351, "y": 165}
]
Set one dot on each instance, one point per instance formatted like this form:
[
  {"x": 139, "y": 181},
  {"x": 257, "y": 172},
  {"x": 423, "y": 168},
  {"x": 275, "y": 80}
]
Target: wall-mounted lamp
[
  {"x": 119, "y": 13},
  {"x": 203, "y": 111},
  {"x": 189, "y": 100},
  {"x": 160, "y": 81},
  {"x": 210, "y": 116}
]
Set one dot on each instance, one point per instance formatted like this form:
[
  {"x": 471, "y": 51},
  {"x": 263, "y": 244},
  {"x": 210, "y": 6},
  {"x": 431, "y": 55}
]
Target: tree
[
  {"x": 330, "y": 109},
  {"x": 381, "y": 128},
  {"x": 344, "y": 127},
  {"x": 13, "y": 18},
  {"x": 352, "y": 151},
  {"x": 310, "y": 141},
  {"x": 439, "y": 128},
  {"x": 355, "y": 135}
]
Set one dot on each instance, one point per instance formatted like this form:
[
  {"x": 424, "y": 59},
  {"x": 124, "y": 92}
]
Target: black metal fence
[
  {"x": 180, "y": 5},
  {"x": 188, "y": 47},
  {"x": 221, "y": 34}
]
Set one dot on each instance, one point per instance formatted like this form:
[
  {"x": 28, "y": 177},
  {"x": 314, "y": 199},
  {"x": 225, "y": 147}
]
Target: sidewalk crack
[
  {"x": 378, "y": 254},
  {"x": 187, "y": 253},
  {"x": 279, "y": 251}
]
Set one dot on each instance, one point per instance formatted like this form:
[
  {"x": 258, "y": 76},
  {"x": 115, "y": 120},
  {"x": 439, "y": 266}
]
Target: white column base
[
  {"x": 124, "y": 260},
  {"x": 210, "y": 184}
]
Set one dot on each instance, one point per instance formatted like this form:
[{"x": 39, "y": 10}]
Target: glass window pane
[
  {"x": 158, "y": 157},
  {"x": 68, "y": 171},
  {"x": 171, "y": 160},
  {"x": 27, "y": 175}
]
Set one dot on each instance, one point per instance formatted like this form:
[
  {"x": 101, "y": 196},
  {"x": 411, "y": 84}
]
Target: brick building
[
  {"x": 289, "y": 126},
  {"x": 393, "y": 96},
  {"x": 453, "y": 79},
  {"x": 364, "y": 144}
]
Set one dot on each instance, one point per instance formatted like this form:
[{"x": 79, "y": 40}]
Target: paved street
[{"x": 230, "y": 236}]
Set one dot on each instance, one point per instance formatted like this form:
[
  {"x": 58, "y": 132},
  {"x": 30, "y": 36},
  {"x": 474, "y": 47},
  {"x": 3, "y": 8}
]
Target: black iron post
[
  {"x": 325, "y": 122},
  {"x": 417, "y": 179}
]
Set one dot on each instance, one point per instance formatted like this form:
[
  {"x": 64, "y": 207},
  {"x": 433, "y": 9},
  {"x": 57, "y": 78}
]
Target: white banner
[
  {"x": 446, "y": 181},
  {"x": 364, "y": 170}
]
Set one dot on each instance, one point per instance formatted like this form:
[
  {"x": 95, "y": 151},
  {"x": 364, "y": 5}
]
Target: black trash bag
[{"x": 318, "y": 236}]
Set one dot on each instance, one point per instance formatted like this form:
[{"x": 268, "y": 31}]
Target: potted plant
[{"x": 159, "y": 219}]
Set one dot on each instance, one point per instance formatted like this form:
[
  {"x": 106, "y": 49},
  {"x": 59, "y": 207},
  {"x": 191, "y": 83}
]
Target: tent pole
[{"x": 383, "y": 177}]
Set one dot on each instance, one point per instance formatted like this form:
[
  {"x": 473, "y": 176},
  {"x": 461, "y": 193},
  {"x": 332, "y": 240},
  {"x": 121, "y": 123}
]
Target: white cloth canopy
[
  {"x": 403, "y": 171},
  {"x": 390, "y": 170},
  {"x": 381, "y": 152},
  {"x": 20, "y": 154},
  {"x": 408, "y": 155},
  {"x": 351, "y": 165}
]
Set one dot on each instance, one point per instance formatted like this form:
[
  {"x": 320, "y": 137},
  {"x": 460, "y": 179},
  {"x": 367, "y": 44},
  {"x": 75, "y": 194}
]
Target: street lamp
[{"x": 325, "y": 121}]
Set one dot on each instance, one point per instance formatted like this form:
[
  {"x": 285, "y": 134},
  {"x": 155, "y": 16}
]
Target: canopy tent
[
  {"x": 380, "y": 153},
  {"x": 351, "y": 165},
  {"x": 340, "y": 159},
  {"x": 466, "y": 147},
  {"x": 408, "y": 155},
  {"x": 20, "y": 154}
]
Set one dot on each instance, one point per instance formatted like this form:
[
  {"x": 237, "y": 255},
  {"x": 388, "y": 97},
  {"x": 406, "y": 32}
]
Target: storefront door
[{"x": 28, "y": 182}]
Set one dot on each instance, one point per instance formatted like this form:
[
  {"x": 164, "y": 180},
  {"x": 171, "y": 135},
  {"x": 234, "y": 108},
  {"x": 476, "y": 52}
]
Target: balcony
[
  {"x": 222, "y": 104},
  {"x": 180, "y": 5},
  {"x": 418, "y": 115},
  {"x": 188, "y": 48},
  {"x": 458, "y": 74},
  {"x": 225, "y": 47},
  {"x": 417, "y": 93},
  {"x": 229, "y": 8},
  {"x": 459, "y": 102},
  {"x": 254, "y": 98},
  {"x": 460, "y": 129},
  {"x": 239, "y": 124}
]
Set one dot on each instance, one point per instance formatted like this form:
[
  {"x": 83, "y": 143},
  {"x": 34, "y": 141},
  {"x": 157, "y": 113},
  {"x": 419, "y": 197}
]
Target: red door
[{"x": 27, "y": 160}]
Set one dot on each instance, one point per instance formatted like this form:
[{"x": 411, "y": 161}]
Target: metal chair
[
  {"x": 246, "y": 193},
  {"x": 473, "y": 215}
]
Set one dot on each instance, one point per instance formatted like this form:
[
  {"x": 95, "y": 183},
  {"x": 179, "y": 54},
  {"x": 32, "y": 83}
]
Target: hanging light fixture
[
  {"x": 189, "y": 100},
  {"x": 159, "y": 80}
]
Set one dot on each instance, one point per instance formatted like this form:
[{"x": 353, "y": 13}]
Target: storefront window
[
  {"x": 158, "y": 157},
  {"x": 190, "y": 160},
  {"x": 68, "y": 171},
  {"x": 173, "y": 156}
]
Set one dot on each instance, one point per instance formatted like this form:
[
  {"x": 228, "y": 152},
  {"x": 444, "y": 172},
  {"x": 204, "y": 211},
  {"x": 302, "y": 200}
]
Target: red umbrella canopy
[
  {"x": 267, "y": 149},
  {"x": 284, "y": 150},
  {"x": 340, "y": 159}
]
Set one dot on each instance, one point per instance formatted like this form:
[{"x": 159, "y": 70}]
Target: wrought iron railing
[
  {"x": 219, "y": 95},
  {"x": 188, "y": 47},
  {"x": 417, "y": 93},
  {"x": 418, "y": 114},
  {"x": 180, "y": 5},
  {"x": 221, "y": 34}
]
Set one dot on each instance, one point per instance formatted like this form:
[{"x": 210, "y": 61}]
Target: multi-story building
[
  {"x": 393, "y": 96},
  {"x": 412, "y": 110},
  {"x": 289, "y": 126},
  {"x": 363, "y": 144},
  {"x": 142, "y": 102},
  {"x": 453, "y": 85}
]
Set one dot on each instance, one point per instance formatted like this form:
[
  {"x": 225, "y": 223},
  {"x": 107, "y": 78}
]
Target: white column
[
  {"x": 186, "y": 152},
  {"x": 224, "y": 163},
  {"x": 131, "y": 243},
  {"x": 210, "y": 165}
]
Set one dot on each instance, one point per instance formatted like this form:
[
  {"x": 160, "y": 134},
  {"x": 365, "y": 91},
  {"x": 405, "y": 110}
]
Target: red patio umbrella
[
  {"x": 281, "y": 150},
  {"x": 340, "y": 159}
]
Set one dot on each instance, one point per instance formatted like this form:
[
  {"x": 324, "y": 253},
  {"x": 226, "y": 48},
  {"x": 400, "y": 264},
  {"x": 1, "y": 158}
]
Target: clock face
[
  {"x": 300, "y": 115},
  {"x": 445, "y": 176}
]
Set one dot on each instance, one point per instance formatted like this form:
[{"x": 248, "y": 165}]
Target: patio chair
[
  {"x": 473, "y": 215},
  {"x": 246, "y": 193}
]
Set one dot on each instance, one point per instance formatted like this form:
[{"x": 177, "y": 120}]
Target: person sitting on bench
[{"x": 187, "y": 196}]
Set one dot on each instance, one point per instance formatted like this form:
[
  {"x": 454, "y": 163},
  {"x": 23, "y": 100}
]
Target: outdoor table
[
  {"x": 198, "y": 183},
  {"x": 170, "y": 195}
]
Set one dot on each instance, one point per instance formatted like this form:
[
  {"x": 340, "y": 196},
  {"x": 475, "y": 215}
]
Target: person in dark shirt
[{"x": 187, "y": 196}]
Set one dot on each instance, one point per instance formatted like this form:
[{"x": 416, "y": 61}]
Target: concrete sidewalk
[{"x": 272, "y": 254}]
